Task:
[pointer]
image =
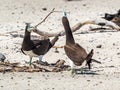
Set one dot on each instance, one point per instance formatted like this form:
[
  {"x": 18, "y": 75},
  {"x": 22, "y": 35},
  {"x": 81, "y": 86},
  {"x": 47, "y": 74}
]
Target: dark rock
[
  {"x": 99, "y": 46},
  {"x": 84, "y": 4},
  {"x": 88, "y": 80},
  {"x": 44, "y": 9},
  {"x": 11, "y": 77},
  {"x": 2, "y": 57}
]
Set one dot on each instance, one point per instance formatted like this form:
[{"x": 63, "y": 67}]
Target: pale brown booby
[
  {"x": 36, "y": 48},
  {"x": 76, "y": 53}
]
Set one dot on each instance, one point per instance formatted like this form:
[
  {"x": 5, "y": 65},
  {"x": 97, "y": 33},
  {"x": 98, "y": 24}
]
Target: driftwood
[
  {"x": 36, "y": 67},
  {"x": 62, "y": 33},
  {"x": 77, "y": 27},
  {"x": 44, "y": 18}
]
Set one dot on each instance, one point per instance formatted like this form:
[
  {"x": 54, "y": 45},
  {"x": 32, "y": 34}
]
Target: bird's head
[
  {"x": 64, "y": 14},
  {"x": 29, "y": 28}
]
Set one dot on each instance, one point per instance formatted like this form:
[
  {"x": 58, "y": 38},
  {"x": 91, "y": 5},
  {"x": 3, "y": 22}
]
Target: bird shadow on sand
[{"x": 86, "y": 72}]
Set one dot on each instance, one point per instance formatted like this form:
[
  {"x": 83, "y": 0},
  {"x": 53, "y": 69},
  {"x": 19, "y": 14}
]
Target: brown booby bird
[
  {"x": 36, "y": 48},
  {"x": 76, "y": 53},
  {"x": 109, "y": 17},
  {"x": 116, "y": 20}
]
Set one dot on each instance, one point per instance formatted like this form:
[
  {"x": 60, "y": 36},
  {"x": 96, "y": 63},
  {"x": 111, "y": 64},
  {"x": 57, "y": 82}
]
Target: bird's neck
[
  {"x": 69, "y": 36},
  {"x": 27, "y": 34}
]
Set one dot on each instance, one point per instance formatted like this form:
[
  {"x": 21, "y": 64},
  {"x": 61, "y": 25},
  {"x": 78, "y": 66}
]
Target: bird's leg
[
  {"x": 72, "y": 67},
  {"x": 81, "y": 69},
  {"x": 30, "y": 62},
  {"x": 72, "y": 71},
  {"x": 40, "y": 60}
]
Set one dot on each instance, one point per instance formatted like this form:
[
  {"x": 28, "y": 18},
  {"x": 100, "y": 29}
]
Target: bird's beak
[{"x": 64, "y": 14}]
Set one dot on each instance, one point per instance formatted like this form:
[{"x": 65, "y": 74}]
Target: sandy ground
[{"x": 14, "y": 13}]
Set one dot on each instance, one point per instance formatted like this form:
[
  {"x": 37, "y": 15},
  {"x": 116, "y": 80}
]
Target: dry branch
[
  {"x": 75, "y": 28},
  {"x": 62, "y": 33},
  {"x": 45, "y": 18}
]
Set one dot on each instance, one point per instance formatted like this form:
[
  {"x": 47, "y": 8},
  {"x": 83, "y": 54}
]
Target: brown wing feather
[{"x": 76, "y": 53}]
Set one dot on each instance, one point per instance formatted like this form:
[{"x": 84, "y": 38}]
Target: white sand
[{"x": 13, "y": 15}]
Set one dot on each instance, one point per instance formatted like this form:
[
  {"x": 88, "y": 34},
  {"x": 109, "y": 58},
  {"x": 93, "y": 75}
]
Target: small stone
[
  {"x": 29, "y": 77},
  {"x": 44, "y": 9},
  {"x": 28, "y": 84},
  {"x": 13, "y": 13},
  {"x": 118, "y": 53},
  {"x": 84, "y": 4},
  {"x": 53, "y": 88},
  {"x": 2, "y": 57},
  {"x": 99, "y": 46},
  {"x": 56, "y": 50},
  {"x": 11, "y": 77},
  {"x": 88, "y": 80},
  {"x": 113, "y": 44},
  {"x": 111, "y": 66},
  {"x": 21, "y": 12}
]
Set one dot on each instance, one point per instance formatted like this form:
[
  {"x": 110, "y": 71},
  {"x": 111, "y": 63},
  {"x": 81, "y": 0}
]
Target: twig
[
  {"x": 45, "y": 18},
  {"x": 97, "y": 29}
]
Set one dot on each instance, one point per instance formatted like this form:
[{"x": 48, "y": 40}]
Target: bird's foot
[
  {"x": 73, "y": 72},
  {"x": 30, "y": 63},
  {"x": 81, "y": 69},
  {"x": 43, "y": 63}
]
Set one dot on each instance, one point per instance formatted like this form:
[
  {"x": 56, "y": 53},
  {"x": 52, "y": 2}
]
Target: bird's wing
[
  {"x": 41, "y": 46},
  {"x": 76, "y": 53}
]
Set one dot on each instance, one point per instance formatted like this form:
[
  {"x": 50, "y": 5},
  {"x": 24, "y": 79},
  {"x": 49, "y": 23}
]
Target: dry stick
[
  {"x": 96, "y": 29},
  {"x": 35, "y": 25},
  {"x": 45, "y": 18}
]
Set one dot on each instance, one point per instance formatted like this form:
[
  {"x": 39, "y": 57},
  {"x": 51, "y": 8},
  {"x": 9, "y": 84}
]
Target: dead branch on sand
[
  {"x": 36, "y": 67},
  {"x": 44, "y": 18}
]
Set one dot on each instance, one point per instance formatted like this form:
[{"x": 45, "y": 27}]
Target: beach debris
[
  {"x": 56, "y": 50},
  {"x": 2, "y": 57},
  {"x": 35, "y": 67},
  {"x": 99, "y": 46},
  {"x": 44, "y": 9}
]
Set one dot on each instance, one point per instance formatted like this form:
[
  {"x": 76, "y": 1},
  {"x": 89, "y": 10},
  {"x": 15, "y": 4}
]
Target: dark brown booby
[
  {"x": 74, "y": 51},
  {"x": 36, "y": 48},
  {"x": 109, "y": 17}
]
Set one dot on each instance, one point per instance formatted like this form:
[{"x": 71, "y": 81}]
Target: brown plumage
[
  {"x": 36, "y": 48},
  {"x": 116, "y": 20},
  {"x": 74, "y": 51}
]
